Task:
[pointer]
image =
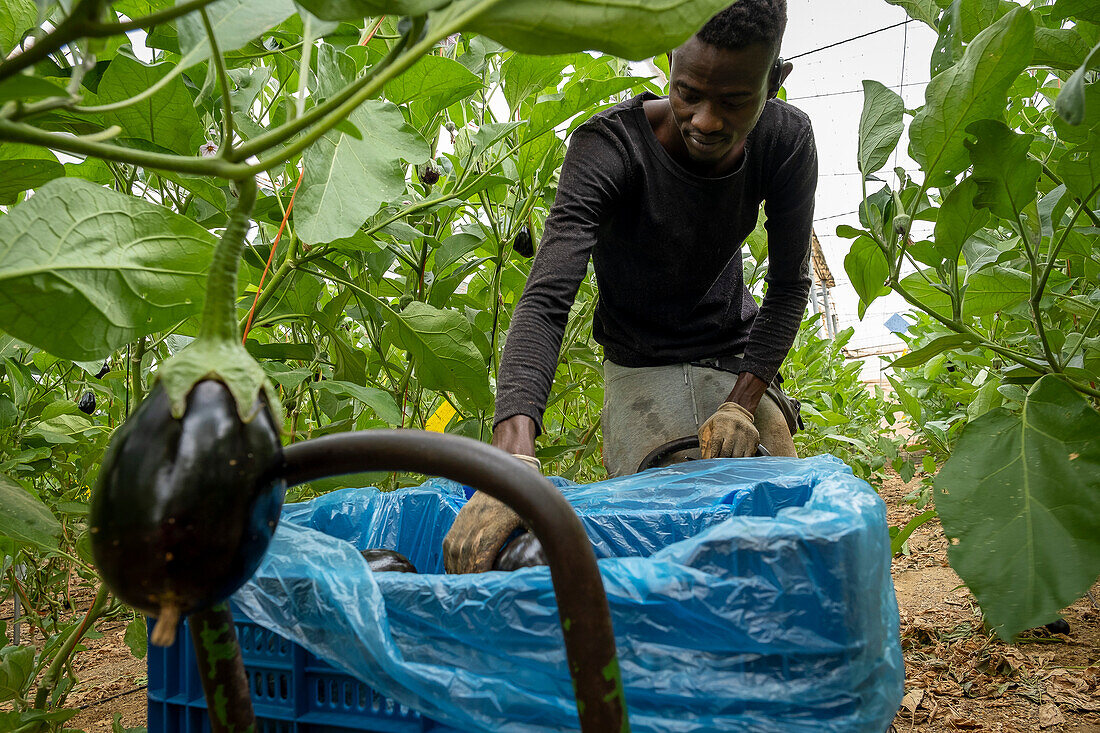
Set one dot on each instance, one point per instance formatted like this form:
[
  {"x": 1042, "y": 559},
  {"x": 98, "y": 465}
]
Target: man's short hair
[{"x": 745, "y": 23}]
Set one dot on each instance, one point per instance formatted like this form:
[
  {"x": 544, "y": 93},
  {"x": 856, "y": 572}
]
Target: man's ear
[{"x": 787, "y": 67}]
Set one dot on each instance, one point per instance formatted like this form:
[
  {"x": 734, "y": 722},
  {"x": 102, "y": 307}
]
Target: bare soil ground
[{"x": 958, "y": 677}]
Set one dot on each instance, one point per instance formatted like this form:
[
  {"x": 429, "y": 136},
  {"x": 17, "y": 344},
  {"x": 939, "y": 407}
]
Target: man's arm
[{"x": 589, "y": 180}]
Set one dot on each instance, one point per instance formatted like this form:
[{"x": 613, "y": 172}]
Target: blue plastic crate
[{"x": 293, "y": 691}]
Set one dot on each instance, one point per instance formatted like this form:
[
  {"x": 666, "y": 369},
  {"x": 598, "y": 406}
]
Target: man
[{"x": 661, "y": 193}]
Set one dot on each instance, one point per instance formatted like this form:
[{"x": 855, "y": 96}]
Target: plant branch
[
  {"x": 53, "y": 674},
  {"x": 1037, "y": 295},
  {"x": 213, "y": 167},
  {"x": 95, "y": 29},
  {"x": 68, "y": 30}
]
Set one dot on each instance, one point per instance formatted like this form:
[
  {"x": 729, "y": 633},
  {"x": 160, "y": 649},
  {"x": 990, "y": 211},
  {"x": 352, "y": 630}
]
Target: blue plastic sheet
[{"x": 746, "y": 594}]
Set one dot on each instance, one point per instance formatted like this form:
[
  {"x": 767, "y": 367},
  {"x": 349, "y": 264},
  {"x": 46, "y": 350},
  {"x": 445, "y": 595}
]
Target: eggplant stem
[
  {"x": 219, "y": 313},
  {"x": 164, "y": 632}
]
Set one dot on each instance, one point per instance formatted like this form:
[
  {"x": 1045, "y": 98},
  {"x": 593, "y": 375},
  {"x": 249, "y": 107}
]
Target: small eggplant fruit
[
  {"x": 103, "y": 370},
  {"x": 524, "y": 551},
  {"x": 87, "y": 403},
  {"x": 523, "y": 245},
  {"x": 429, "y": 175},
  {"x": 387, "y": 561},
  {"x": 185, "y": 508}
]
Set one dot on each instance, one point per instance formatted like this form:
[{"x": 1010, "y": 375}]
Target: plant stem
[
  {"x": 226, "y": 147},
  {"x": 135, "y": 371},
  {"x": 53, "y": 674},
  {"x": 219, "y": 313}
]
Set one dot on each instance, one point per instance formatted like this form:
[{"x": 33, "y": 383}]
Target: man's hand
[
  {"x": 729, "y": 433},
  {"x": 479, "y": 531},
  {"x": 484, "y": 524}
]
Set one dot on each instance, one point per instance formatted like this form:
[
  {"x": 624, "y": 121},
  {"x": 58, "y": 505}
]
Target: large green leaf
[
  {"x": 440, "y": 345},
  {"x": 25, "y": 519},
  {"x": 85, "y": 270},
  {"x": 987, "y": 292},
  {"x": 957, "y": 219},
  {"x": 378, "y": 400},
  {"x": 632, "y": 29},
  {"x": 867, "y": 268},
  {"x": 25, "y": 167},
  {"x": 973, "y": 89},
  {"x": 1005, "y": 176},
  {"x": 16, "y": 673},
  {"x": 1059, "y": 48},
  {"x": 1019, "y": 499},
  {"x": 880, "y": 126},
  {"x": 1078, "y": 9},
  {"x": 235, "y": 23},
  {"x": 346, "y": 178},
  {"x": 167, "y": 119},
  {"x": 434, "y": 81}
]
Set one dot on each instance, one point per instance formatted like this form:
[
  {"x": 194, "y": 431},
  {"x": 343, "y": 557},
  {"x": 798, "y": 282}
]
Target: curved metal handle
[
  {"x": 661, "y": 452},
  {"x": 582, "y": 604}
]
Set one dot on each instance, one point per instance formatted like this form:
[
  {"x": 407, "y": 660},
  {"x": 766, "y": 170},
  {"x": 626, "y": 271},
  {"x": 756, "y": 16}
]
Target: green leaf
[
  {"x": 16, "y": 18},
  {"x": 453, "y": 249},
  {"x": 1059, "y": 48},
  {"x": 16, "y": 671},
  {"x": 523, "y": 75},
  {"x": 25, "y": 519},
  {"x": 25, "y": 167},
  {"x": 85, "y": 270},
  {"x": 1005, "y": 176},
  {"x": 168, "y": 118},
  {"x": 440, "y": 345},
  {"x": 29, "y": 88},
  {"x": 235, "y": 23},
  {"x": 880, "y": 126},
  {"x": 346, "y": 180},
  {"x": 136, "y": 637},
  {"x": 1079, "y": 167},
  {"x": 1070, "y": 104},
  {"x": 987, "y": 398},
  {"x": 973, "y": 89},
  {"x": 897, "y": 541},
  {"x": 1078, "y": 9},
  {"x": 633, "y": 30},
  {"x": 378, "y": 400},
  {"x": 958, "y": 218},
  {"x": 926, "y": 352},
  {"x": 867, "y": 268},
  {"x": 434, "y": 81},
  {"x": 926, "y": 11},
  {"x": 1018, "y": 499},
  {"x": 988, "y": 292}
]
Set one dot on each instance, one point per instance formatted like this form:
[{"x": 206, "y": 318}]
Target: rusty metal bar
[{"x": 582, "y": 604}]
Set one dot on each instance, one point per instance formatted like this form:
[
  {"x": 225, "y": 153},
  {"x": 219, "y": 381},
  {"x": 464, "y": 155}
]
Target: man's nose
[{"x": 705, "y": 120}]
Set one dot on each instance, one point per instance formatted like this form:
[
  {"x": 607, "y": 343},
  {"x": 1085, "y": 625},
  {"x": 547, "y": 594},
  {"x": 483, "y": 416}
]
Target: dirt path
[{"x": 957, "y": 677}]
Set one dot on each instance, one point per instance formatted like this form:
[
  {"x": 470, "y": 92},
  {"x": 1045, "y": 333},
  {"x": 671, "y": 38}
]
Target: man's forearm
[
  {"x": 516, "y": 434},
  {"x": 747, "y": 391}
]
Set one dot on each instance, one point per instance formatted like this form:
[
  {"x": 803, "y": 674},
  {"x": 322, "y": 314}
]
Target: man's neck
[{"x": 659, "y": 114}]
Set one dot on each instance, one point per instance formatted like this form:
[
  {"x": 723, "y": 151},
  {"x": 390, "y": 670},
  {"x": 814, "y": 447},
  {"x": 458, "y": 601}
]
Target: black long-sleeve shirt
[{"x": 666, "y": 249}]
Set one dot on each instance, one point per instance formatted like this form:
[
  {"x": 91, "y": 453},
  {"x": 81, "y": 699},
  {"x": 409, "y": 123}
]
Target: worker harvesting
[{"x": 661, "y": 193}]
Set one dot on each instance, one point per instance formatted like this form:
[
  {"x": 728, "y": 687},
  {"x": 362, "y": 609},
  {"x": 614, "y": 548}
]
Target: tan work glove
[
  {"x": 729, "y": 433},
  {"x": 480, "y": 530}
]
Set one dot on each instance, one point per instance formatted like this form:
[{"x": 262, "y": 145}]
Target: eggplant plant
[
  {"x": 374, "y": 294},
  {"x": 1005, "y": 362}
]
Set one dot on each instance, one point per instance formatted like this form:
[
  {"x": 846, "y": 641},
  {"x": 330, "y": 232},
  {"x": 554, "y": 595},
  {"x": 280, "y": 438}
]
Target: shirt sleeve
[
  {"x": 592, "y": 177},
  {"x": 789, "y": 207}
]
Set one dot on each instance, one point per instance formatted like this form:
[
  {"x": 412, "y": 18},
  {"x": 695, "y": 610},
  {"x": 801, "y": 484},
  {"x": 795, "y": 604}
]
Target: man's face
[{"x": 717, "y": 96}]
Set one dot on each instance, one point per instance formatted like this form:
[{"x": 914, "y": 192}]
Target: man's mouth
[{"x": 706, "y": 142}]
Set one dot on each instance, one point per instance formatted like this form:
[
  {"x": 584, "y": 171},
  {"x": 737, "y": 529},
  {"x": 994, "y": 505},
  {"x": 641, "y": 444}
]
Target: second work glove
[
  {"x": 480, "y": 530},
  {"x": 729, "y": 433}
]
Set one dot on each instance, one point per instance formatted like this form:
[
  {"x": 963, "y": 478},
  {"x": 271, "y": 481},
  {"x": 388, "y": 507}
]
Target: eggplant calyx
[{"x": 227, "y": 362}]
